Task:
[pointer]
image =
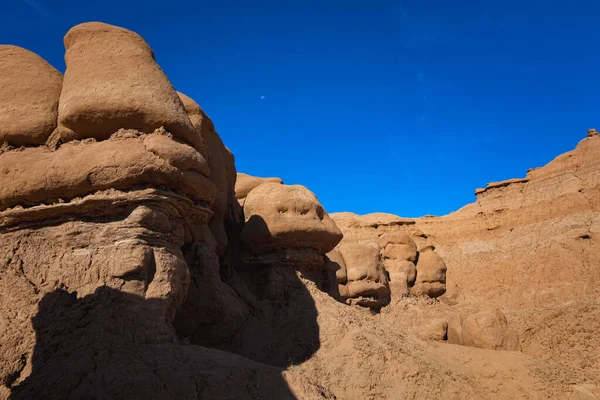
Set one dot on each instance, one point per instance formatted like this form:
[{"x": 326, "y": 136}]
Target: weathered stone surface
[
  {"x": 245, "y": 183},
  {"x": 280, "y": 216},
  {"x": 367, "y": 283},
  {"x": 431, "y": 274},
  {"x": 112, "y": 82},
  {"x": 339, "y": 266},
  {"x": 485, "y": 330},
  {"x": 39, "y": 175},
  {"x": 29, "y": 92},
  {"x": 222, "y": 173},
  {"x": 402, "y": 275},
  {"x": 434, "y": 330}
]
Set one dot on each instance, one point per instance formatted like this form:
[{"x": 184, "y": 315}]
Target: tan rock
[
  {"x": 367, "y": 280},
  {"x": 398, "y": 246},
  {"x": 281, "y": 216},
  {"x": 29, "y": 92},
  {"x": 113, "y": 82},
  {"x": 245, "y": 183},
  {"x": 38, "y": 175},
  {"x": 434, "y": 330},
  {"x": 431, "y": 274},
  {"x": 485, "y": 330},
  {"x": 362, "y": 260},
  {"x": 223, "y": 172},
  {"x": 402, "y": 275},
  {"x": 338, "y": 265}
]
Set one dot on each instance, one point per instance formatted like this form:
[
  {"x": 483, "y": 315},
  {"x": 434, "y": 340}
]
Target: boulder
[
  {"x": 113, "y": 82},
  {"x": 434, "y": 330},
  {"x": 29, "y": 92},
  {"x": 485, "y": 330},
  {"x": 367, "y": 283},
  {"x": 398, "y": 245},
  {"x": 245, "y": 183},
  {"x": 431, "y": 274},
  {"x": 402, "y": 275},
  {"x": 281, "y": 216},
  {"x": 338, "y": 266}
]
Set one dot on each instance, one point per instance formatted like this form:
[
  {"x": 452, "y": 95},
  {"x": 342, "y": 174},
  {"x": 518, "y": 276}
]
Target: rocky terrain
[{"x": 136, "y": 262}]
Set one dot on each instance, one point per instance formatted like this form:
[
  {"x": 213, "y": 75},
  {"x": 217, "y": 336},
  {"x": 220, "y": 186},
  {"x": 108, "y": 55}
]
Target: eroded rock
[
  {"x": 111, "y": 82},
  {"x": 29, "y": 92},
  {"x": 281, "y": 216},
  {"x": 485, "y": 330}
]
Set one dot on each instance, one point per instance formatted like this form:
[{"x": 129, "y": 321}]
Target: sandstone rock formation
[
  {"x": 245, "y": 183},
  {"x": 431, "y": 274},
  {"x": 485, "y": 330},
  {"x": 406, "y": 271},
  {"x": 29, "y": 91},
  {"x": 113, "y": 82},
  {"x": 110, "y": 245},
  {"x": 280, "y": 217},
  {"x": 366, "y": 283},
  {"x": 128, "y": 268}
]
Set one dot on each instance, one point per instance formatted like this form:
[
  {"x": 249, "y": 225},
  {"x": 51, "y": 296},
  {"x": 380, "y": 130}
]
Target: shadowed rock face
[{"x": 119, "y": 236}]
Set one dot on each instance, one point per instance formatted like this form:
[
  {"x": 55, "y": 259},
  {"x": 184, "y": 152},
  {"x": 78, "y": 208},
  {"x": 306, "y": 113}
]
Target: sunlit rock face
[
  {"x": 29, "y": 92},
  {"x": 113, "y": 210},
  {"x": 120, "y": 235},
  {"x": 287, "y": 222}
]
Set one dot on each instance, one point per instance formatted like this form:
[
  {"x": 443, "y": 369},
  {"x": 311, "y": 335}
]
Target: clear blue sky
[{"x": 394, "y": 106}]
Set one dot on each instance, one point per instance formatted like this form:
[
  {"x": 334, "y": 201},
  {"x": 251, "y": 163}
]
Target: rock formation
[
  {"x": 403, "y": 270},
  {"x": 245, "y": 183},
  {"x": 29, "y": 91},
  {"x": 135, "y": 262},
  {"x": 486, "y": 330},
  {"x": 111, "y": 234}
]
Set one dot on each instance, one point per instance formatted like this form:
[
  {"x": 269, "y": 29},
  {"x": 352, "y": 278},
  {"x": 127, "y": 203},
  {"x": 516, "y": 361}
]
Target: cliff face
[
  {"x": 528, "y": 246},
  {"x": 533, "y": 242},
  {"x": 532, "y": 247}
]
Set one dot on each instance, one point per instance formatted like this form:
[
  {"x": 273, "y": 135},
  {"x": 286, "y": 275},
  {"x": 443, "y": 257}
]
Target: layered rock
[
  {"x": 366, "y": 282},
  {"x": 280, "y": 217},
  {"x": 431, "y": 274},
  {"x": 110, "y": 245},
  {"x": 223, "y": 173},
  {"x": 29, "y": 92},
  {"x": 112, "y": 81},
  {"x": 406, "y": 270}
]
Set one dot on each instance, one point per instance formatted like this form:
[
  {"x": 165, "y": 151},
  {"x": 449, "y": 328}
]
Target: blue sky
[{"x": 394, "y": 106}]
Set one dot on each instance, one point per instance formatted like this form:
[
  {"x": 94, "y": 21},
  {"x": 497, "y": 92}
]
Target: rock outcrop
[
  {"x": 366, "y": 282},
  {"x": 405, "y": 271},
  {"x": 245, "y": 183},
  {"x": 113, "y": 82},
  {"x": 129, "y": 268},
  {"x": 29, "y": 92},
  {"x": 280, "y": 217},
  {"x": 485, "y": 330},
  {"x": 114, "y": 242}
]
